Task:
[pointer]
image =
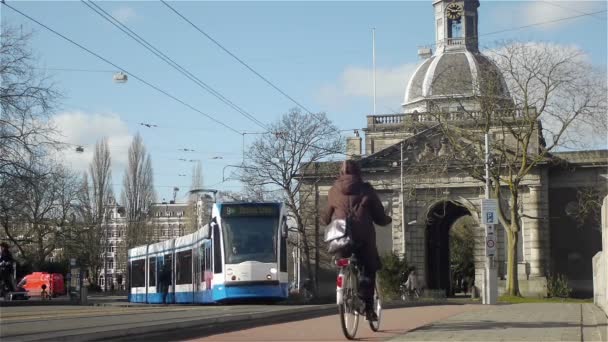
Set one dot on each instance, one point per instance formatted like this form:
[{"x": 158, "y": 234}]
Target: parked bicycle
[{"x": 350, "y": 306}]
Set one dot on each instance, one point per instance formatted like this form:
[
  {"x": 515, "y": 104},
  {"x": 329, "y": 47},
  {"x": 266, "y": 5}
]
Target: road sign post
[{"x": 489, "y": 217}]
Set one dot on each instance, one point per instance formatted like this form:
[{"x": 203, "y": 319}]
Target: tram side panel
[
  {"x": 158, "y": 254},
  {"x": 137, "y": 275},
  {"x": 184, "y": 256},
  {"x": 203, "y": 273}
]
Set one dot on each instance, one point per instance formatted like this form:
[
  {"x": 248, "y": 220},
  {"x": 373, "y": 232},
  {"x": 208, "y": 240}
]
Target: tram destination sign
[{"x": 249, "y": 210}]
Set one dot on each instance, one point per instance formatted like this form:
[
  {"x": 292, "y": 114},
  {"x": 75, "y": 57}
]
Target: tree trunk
[
  {"x": 306, "y": 244},
  {"x": 512, "y": 288}
]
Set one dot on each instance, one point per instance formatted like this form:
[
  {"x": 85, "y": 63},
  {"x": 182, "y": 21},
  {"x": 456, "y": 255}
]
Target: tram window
[
  {"x": 209, "y": 257},
  {"x": 283, "y": 256},
  {"x": 217, "y": 250},
  {"x": 203, "y": 263},
  {"x": 138, "y": 273},
  {"x": 152, "y": 271},
  {"x": 184, "y": 267}
]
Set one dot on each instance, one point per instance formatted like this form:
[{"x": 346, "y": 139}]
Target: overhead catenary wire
[
  {"x": 236, "y": 57},
  {"x": 123, "y": 69},
  {"x": 169, "y": 61},
  {"x": 143, "y": 42}
]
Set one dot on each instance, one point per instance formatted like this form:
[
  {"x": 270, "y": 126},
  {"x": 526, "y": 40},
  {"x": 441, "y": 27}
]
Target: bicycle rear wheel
[
  {"x": 349, "y": 317},
  {"x": 375, "y": 325}
]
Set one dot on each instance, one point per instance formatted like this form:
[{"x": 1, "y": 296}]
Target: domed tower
[{"x": 457, "y": 73}]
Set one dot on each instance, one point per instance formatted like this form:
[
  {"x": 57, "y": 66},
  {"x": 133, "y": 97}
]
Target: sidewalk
[{"x": 519, "y": 322}]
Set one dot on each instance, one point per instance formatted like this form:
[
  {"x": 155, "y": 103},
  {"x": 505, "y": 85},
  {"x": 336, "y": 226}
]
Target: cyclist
[
  {"x": 351, "y": 196},
  {"x": 6, "y": 267}
]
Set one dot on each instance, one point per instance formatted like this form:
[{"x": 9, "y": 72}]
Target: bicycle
[
  {"x": 350, "y": 306},
  {"x": 408, "y": 294}
]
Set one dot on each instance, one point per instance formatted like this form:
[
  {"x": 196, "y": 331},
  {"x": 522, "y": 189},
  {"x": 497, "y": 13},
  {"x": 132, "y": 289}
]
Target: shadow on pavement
[{"x": 493, "y": 325}]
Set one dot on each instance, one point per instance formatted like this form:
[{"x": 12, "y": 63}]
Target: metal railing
[{"x": 398, "y": 119}]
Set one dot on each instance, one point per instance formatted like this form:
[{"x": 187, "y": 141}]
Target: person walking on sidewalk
[{"x": 164, "y": 281}]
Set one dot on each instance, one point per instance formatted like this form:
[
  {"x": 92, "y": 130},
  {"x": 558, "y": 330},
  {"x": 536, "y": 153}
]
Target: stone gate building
[{"x": 433, "y": 197}]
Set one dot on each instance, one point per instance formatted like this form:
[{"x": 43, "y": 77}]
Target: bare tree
[
  {"x": 553, "y": 91},
  {"x": 197, "y": 176},
  {"x": 37, "y": 211},
  {"x": 101, "y": 194},
  {"x": 191, "y": 211},
  {"x": 138, "y": 192},
  {"x": 275, "y": 159},
  {"x": 27, "y": 98}
]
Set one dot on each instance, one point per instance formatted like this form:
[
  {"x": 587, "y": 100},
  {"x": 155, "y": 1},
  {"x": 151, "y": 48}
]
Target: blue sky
[{"x": 317, "y": 52}]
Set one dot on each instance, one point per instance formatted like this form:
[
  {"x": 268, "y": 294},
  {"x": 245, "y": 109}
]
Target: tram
[{"x": 241, "y": 254}]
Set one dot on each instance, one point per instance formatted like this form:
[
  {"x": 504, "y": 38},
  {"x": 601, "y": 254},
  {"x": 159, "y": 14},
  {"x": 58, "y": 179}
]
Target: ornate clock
[{"x": 454, "y": 11}]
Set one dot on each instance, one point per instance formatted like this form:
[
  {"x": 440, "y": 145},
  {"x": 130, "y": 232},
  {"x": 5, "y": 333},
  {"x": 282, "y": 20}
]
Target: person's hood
[{"x": 349, "y": 184}]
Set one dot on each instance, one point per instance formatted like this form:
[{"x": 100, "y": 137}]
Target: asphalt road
[{"x": 112, "y": 322}]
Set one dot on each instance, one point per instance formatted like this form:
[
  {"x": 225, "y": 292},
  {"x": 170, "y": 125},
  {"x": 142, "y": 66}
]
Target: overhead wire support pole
[
  {"x": 374, "y": 66},
  {"x": 402, "y": 200}
]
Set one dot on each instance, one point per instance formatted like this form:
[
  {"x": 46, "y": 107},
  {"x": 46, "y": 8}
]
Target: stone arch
[{"x": 438, "y": 219}]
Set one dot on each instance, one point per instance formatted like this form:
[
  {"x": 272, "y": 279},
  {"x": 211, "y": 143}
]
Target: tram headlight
[
  {"x": 233, "y": 277},
  {"x": 268, "y": 277},
  {"x": 273, "y": 270}
]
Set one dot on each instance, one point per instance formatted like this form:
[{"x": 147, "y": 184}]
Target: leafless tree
[
  {"x": 191, "y": 211},
  {"x": 553, "y": 93},
  {"x": 275, "y": 159},
  {"x": 138, "y": 192},
  {"x": 197, "y": 176},
  {"x": 101, "y": 194},
  {"x": 36, "y": 213},
  {"x": 27, "y": 98}
]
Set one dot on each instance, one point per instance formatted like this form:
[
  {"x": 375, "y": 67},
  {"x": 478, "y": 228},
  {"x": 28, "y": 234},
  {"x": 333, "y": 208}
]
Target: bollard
[{"x": 83, "y": 295}]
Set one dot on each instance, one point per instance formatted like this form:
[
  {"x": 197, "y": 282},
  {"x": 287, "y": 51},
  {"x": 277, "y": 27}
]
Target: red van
[{"x": 33, "y": 282}]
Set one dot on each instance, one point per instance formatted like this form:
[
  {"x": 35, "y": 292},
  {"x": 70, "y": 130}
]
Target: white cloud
[
  {"x": 85, "y": 129},
  {"x": 533, "y": 12},
  {"x": 124, "y": 14},
  {"x": 356, "y": 82}
]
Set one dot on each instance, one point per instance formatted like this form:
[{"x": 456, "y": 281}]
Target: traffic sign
[
  {"x": 490, "y": 245},
  {"x": 489, "y": 211}
]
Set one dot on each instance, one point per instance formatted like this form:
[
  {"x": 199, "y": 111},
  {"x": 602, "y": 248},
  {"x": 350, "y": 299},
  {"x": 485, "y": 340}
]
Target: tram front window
[{"x": 250, "y": 239}]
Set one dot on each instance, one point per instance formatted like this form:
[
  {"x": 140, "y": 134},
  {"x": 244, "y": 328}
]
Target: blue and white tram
[{"x": 241, "y": 254}]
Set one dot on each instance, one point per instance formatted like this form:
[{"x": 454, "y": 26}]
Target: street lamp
[{"x": 120, "y": 77}]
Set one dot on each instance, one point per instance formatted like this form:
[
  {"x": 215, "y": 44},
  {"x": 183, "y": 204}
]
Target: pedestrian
[
  {"x": 6, "y": 267},
  {"x": 412, "y": 282},
  {"x": 164, "y": 281}
]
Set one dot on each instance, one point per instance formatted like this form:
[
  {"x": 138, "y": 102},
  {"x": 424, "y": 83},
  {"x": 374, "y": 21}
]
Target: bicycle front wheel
[
  {"x": 375, "y": 325},
  {"x": 349, "y": 316}
]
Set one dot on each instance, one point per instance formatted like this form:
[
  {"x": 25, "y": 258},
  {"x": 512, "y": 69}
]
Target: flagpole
[{"x": 374, "y": 65}]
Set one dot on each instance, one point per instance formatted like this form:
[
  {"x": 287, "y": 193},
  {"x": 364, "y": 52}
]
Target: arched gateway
[{"x": 439, "y": 220}]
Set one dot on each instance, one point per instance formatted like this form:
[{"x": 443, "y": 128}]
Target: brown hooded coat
[{"x": 350, "y": 194}]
